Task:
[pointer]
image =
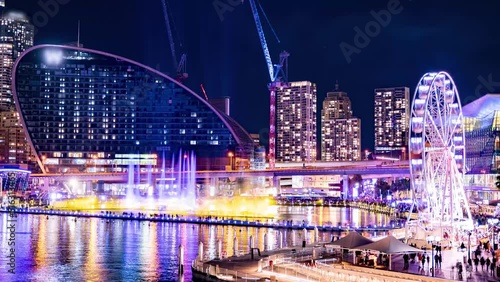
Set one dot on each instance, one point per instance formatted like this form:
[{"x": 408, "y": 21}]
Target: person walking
[
  {"x": 406, "y": 259},
  {"x": 493, "y": 265},
  {"x": 476, "y": 262},
  {"x": 488, "y": 262},
  {"x": 482, "y": 261}
]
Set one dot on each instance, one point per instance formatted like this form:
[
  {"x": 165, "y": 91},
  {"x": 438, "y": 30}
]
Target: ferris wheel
[{"x": 437, "y": 159}]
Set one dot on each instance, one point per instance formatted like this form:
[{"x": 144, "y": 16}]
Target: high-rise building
[
  {"x": 14, "y": 147},
  {"x": 340, "y": 131},
  {"x": 16, "y": 35},
  {"x": 296, "y": 122},
  {"x": 91, "y": 111},
  {"x": 392, "y": 117}
]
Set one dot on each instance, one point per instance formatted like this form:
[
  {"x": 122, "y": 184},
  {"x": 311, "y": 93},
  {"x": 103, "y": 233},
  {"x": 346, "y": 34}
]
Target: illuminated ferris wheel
[{"x": 437, "y": 160}]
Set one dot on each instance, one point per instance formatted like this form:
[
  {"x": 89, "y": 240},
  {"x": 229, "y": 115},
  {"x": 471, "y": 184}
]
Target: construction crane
[
  {"x": 178, "y": 66},
  {"x": 278, "y": 75}
]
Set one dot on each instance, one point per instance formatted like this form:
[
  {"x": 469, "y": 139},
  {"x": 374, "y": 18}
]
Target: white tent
[
  {"x": 351, "y": 241},
  {"x": 390, "y": 245}
]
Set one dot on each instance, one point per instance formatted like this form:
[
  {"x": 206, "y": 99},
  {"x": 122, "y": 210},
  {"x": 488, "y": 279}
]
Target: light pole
[
  {"x": 468, "y": 246},
  {"x": 432, "y": 240},
  {"x": 230, "y": 155}
]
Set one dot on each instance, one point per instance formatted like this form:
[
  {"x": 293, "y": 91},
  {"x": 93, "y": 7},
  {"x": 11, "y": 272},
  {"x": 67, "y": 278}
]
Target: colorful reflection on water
[{"x": 91, "y": 249}]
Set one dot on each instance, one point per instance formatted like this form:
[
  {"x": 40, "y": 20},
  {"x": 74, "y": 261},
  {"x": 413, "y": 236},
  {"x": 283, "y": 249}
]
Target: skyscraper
[
  {"x": 340, "y": 131},
  {"x": 392, "y": 116},
  {"x": 296, "y": 122},
  {"x": 16, "y": 35}
]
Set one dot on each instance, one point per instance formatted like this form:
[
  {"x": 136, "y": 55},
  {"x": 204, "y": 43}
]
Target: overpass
[{"x": 379, "y": 170}]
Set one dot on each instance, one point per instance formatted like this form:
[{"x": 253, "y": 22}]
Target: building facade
[
  {"x": 222, "y": 104},
  {"x": 392, "y": 117},
  {"x": 14, "y": 146},
  {"x": 296, "y": 122},
  {"x": 16, "y": 35},
  {"x": 482, "y": 135},
  {"x": 90, "y": 111},
  {"x": 340, "y": 131}
]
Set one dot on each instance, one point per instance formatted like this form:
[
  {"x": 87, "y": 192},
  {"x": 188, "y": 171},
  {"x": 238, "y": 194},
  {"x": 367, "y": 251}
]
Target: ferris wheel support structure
[{"x": 440, "y": 206}]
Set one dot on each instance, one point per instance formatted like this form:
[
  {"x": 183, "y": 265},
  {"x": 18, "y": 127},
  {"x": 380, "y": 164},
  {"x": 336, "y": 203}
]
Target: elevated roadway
[{"x": 379, "y": 170}]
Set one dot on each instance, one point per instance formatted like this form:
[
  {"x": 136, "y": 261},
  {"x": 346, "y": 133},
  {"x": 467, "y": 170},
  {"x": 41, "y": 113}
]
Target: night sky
[{"x": 460, "y": 37}]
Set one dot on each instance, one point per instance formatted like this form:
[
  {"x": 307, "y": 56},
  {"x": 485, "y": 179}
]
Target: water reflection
[{"x": 62, "y": 248}]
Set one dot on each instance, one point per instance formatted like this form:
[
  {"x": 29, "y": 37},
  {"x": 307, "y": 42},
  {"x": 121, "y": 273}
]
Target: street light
[
  {"x": 468, "y": 251},
  {"x": 433, "y": 240},
  {"x": 230, "y": 155}
]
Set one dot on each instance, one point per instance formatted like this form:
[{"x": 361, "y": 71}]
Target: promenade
[{"x": 295, "y": 264}]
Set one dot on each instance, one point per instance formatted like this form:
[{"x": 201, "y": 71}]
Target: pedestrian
[
  {"x": 436, "y": 260},
  {"x": 493, "y": 264},
  {"x": 488, "y": 262},
  {"x": 406, "y": 259},
  {"x": 482, "y": 261},
  {"x": 423, "y": 261},
  {"x": 440, "y": 259},
  {"x": 476, "y": 262}
]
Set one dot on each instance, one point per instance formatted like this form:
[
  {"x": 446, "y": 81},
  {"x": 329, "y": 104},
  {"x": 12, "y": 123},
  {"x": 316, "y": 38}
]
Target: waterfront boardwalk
[
  {"x": 213, "y": 220},
  {"x": 295, "y": 264}
]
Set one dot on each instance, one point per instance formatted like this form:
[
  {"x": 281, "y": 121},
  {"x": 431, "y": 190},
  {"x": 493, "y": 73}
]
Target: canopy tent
[
  {"x": 351, "y": 241},
  {"x": 390, "y": 245}
]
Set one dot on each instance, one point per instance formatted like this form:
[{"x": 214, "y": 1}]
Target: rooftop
[{"x": 483, "y": 107}]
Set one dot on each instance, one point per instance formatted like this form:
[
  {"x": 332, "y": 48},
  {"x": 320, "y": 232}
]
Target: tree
[
  {"x": 357, "y": 178},
  {"x": 382, "y": 188}
]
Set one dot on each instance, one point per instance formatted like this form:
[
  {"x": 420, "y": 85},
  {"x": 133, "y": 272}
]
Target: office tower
[
  {"x": 14, "y": 147},
  {"x": 392, "y": 115},
  {"x": 296, "y": 122},
  {"x": 16, "y": 35},
  {"x": 340, "y": 131}
]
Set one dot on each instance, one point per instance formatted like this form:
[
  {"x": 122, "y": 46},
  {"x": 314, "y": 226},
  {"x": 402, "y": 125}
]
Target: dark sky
[{"x": 460, "y": 37}]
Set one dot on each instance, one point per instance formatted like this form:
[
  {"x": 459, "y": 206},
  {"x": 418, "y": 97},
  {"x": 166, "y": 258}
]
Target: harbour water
[{"x": 92, "y": 249}]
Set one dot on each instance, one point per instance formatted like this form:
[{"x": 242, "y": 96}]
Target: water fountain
[
  {"x": 183, "y": 175},
  {"x": 174, "y": 190}
]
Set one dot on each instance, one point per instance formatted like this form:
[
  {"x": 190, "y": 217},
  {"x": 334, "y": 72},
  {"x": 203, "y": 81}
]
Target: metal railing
[{"x": 223, "y": 274}]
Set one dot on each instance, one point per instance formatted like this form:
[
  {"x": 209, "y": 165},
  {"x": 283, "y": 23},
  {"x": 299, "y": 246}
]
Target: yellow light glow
[{"x": 234, "y": 207}]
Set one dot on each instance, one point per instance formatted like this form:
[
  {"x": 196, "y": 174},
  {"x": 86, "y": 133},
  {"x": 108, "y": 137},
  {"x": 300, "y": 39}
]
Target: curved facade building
[
  {"x": 86, "y": 110},
  {"x": 482, "y": 133}
]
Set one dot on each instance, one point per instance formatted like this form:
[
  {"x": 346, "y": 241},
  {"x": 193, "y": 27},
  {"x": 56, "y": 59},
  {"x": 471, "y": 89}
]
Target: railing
[{"x": 223, "y": 274}]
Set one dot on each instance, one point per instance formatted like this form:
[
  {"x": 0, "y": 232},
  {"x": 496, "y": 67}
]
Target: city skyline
[{"x": 229, "y": 48}]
